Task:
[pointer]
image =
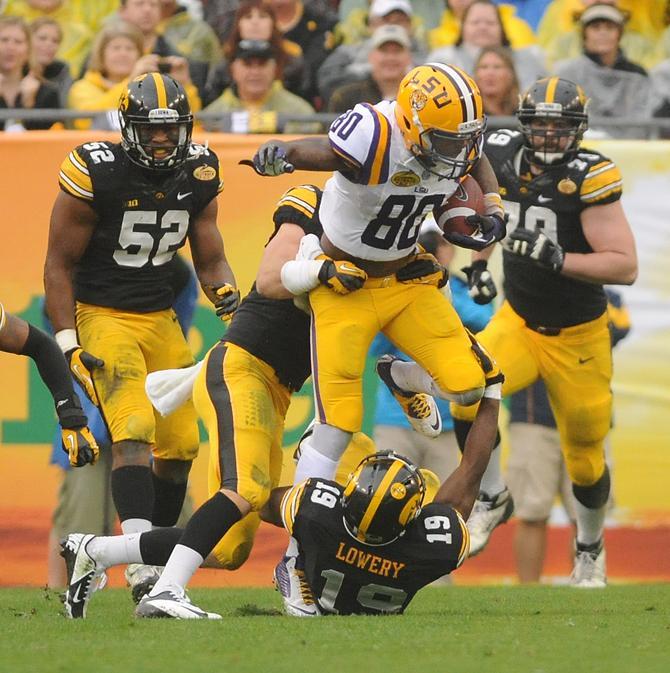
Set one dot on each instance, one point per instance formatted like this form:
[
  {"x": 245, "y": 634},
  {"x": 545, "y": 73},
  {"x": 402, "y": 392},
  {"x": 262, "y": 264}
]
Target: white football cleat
[
  {"x": 291, "y": 583},
  {"x": 84, "y": 575},
  {"x": 589, "y": 569},
  {"x": 141, "y": 579},
  {"x": 173, "y": 603},
  {"x": 487, "y": 514},
  {"x": 419, "y": 408}
]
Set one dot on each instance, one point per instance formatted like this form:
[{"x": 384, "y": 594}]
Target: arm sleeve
[{"x": 50, "y": 362}]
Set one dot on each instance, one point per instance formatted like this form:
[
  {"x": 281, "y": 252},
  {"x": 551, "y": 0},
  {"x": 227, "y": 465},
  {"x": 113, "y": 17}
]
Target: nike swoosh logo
[
  {"x": 344, "y": 267},
  {"x": 435, "y": 426},
  {"x": 583, "y": 360},
  {"x": 81, "y": 375},
  {"x": 181, "y": 196},
  {"x": 69, "y": 441},
  {"x": 76, "y": 598},
  {"x": 544, "y": 199},
  {"x": 60, "y": 403}
]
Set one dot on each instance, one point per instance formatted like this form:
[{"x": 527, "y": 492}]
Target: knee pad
[
  {"x": 595, "y": 495},
  {"x": 235, "y": 546}
]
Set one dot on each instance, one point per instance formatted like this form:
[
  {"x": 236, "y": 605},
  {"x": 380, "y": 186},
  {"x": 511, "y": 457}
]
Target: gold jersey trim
[{"x": 289, "y": 505}]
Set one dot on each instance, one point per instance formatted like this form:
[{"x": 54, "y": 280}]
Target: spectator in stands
[
  {"x": 115, "y": 59},
  {"x": 518, "y": 32},
  {"x": 530, "y": 11},
  {"x": 536, "y": 472},
  {"x": 311, "y": 28},
  {"x": 495, "y": 74},
  {"x": 192, "y": 37},
  {"x": 560, "y": 31},
  {"x": 220, "y": 15},
  {"x": 390, "y": 60},
  {"x": 257, "y": 95},
  {"x": 358, "y": 20},
  {"x": 617, "y": 87},
  {"x": 349, "y": 62},
  {"x": 77, "y": 34},
  {"x": 255, "y": 20},
  {"x": 482, "y": 27},
  {"x": 20, "y": 87},
  {"x": 660, "y": 82},
  {"x": 45, "y": 38}
]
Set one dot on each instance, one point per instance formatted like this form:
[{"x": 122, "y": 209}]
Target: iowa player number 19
[{"x": 138, "y": 244}]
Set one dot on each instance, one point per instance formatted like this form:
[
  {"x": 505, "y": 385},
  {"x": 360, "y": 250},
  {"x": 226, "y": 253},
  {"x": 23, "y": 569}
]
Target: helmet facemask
[
  {"x": 450, "y": 155},
  {"x": 552, "y": 134},
  {"x": 137, "y": 137},
  {"x": 381, "y": 498}
]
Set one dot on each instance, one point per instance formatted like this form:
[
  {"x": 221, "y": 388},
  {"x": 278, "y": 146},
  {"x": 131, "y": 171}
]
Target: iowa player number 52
[{"x": 140, "y": 242}]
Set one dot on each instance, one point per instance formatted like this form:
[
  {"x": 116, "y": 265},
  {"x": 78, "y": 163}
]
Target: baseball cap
[
  {"x": 254, "y": 49},
  {"x": 384, "y": 7},
  {"x": 603, "y": 13},
  {"x": 390, "y": 33}
]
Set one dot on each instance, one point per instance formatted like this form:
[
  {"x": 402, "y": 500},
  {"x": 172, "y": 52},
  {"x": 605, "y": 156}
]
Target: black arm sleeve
[{"x": 50, "y": 362}]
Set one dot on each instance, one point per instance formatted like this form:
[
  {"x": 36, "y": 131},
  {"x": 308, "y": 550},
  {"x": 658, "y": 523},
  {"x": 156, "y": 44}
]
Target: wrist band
[
  {"x": 66, "y": 339},
  {"x": 300, "y": 276},
  {"x": 494, "y": 391}
]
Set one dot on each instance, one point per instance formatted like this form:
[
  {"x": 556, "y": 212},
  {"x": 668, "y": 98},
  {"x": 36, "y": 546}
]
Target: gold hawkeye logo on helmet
[{"x": 398, "y": 491}]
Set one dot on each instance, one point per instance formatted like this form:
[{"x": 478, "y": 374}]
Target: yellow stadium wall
[{"x": 28, "y": 171}]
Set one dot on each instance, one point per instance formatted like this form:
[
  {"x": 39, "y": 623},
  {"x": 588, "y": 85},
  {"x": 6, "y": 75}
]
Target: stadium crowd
[
  {"x": 248, "y": 66},
  {"x": 244, "y": 62}
]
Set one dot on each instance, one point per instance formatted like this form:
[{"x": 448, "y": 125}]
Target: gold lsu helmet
[{"x": 440, "y": 113}]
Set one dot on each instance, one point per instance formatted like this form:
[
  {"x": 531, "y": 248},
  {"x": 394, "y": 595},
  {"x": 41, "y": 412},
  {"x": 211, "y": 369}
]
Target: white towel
[{"x": 168, "y": 389}]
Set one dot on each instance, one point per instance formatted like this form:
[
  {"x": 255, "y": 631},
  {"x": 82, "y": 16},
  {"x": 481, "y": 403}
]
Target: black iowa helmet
[
  {"x": 382, "y": 497},
  {"x": 150, "y": 100},
  {"x": 561, "y": 102}
]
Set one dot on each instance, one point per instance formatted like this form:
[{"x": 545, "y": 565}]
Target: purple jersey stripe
[
  {"x": 318, "y": 402},
  {"x": 366, "y": 169}
]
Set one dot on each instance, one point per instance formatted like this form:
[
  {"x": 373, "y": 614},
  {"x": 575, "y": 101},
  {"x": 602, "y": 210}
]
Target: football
[{"x": 467, "y": 200}]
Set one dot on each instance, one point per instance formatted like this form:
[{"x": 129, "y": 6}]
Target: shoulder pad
[
  {"x": 290, "y": 504},
  {"x": 297, "y": 205},
  {"x": 601, "y": 180},
  {"x": 362, "y": 137}
]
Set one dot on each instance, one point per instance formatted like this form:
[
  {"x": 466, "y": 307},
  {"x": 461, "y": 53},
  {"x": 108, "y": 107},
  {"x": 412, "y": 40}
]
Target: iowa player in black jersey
[
  {"x": 367, "y": 547},
  {"x": 123, "y": 211},
  {"x": 568, "y": 236},
  {"x": 20, "y": 337},
  {"x": 242, "y": 392}
]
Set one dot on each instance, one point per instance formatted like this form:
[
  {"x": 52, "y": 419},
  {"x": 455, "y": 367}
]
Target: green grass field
[{"x": 623, "y": 629}]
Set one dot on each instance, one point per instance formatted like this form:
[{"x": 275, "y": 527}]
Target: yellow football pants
[
  {"x": 133, "y": 345},
  {"x": 576, "y": 367},
  {"x": 418, "y": 319}
]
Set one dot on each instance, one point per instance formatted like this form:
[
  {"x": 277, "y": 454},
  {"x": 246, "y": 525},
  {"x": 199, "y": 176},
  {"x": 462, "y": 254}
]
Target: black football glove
[
  {"x": 481, "y": 286},
  {"x": 489, "y": 229},
  {"x": 81, "y": 364},
  {"x": 78, "y": 440},
  {"x": 341, "y": 276},
  {"x": 537, "y": 247},
  {"x": 424, "y": 269},
  {"x": 270, "y": 159},
  {"x": 227, "y": 300}
]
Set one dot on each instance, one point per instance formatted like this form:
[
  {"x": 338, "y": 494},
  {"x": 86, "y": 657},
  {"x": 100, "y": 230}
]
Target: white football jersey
[{"x": 376, "y": 212}]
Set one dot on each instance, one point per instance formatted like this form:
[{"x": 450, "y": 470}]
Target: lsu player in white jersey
[{"x": 393, "y": 163}]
